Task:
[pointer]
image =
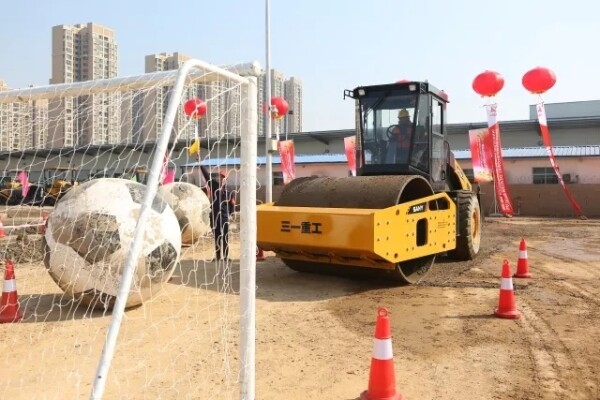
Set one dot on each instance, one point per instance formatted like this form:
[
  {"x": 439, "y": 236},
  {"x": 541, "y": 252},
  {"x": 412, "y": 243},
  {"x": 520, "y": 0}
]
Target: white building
[
  {"x": 293, "y": 95},
  {"x": 277, "y": 90}
]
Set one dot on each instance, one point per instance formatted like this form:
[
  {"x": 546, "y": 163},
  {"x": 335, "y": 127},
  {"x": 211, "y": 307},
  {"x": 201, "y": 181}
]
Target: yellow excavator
[
  {"x": 409, "y": 202},
  {"x": 55, "y": 183},
  {"x": 11, "y": 187}
]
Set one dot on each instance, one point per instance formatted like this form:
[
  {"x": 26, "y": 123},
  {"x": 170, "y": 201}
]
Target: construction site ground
[{"x": 314, "y": 334}]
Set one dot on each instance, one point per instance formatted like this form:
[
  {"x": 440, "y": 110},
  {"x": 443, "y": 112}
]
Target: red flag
[
  {"x": 24, "y": 179},
  {"x": 350, "y": 149},
  {"x": 482, "y": 154},
  {"x": 499, "y": 177},
  {"x": 541, "y": 113},
  {"x": 286, "y": 153}
]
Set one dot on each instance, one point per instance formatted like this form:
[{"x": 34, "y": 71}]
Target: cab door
[{"x": 438, "y": 155}]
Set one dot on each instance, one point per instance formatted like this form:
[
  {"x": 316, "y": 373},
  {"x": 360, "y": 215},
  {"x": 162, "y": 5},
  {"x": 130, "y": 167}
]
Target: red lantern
[
  {"x": 539, "y": 80},
  {"x": 195, "y": 108},
  {"x": 279, "y": 108},
  {"x": 488, "y": 83}
]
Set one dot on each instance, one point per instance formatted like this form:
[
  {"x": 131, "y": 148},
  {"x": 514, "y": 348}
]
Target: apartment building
[
  {"x": 293, "y": 95},
  {"x": 15, "y": 124},
  {"x": 277, "y": 90},
  {"x": 81, "y": 53},
  {"x": 148, "y": 122}
]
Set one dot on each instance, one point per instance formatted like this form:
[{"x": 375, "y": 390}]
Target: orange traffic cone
[
  {"x": 522, "y": 263},
  {"x": 260, "y": 254},
  {"x": 2, "y": 232},
  {"x": 9, "y": 307},
  {"x": 507, "y": 306},
  {"x": 382, "y": 380}
]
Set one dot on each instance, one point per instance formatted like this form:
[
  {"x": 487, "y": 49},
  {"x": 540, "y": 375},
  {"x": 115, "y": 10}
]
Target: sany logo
[{"x": 417, "y": 208}]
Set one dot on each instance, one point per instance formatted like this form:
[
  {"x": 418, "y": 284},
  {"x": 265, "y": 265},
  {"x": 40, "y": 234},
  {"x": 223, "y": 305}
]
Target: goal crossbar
[{"x": 203, "y": 73}]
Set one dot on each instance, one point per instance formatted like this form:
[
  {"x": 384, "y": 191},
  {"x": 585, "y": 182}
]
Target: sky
[{"x": 332, "y": 45}]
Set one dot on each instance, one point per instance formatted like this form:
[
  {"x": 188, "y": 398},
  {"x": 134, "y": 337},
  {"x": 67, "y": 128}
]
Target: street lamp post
[{"x": 267, "y": 107}]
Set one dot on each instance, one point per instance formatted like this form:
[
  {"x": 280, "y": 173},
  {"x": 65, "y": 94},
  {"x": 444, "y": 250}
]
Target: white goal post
[{"x": 191, "y": 72}]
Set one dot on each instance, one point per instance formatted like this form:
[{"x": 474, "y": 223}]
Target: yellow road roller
[{"x": 409, "y": 202}]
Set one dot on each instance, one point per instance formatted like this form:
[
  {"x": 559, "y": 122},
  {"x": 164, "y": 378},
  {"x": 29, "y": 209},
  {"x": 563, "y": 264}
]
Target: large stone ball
[
  {"x": 89, "y": 235},
  {"x": 191, "y": 207}
]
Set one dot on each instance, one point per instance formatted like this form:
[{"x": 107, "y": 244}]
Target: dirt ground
[{"x": 314, "y": 333}]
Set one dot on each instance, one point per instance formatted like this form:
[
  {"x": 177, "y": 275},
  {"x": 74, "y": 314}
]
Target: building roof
[
  {"x": 520, "y": 152},
  {"x": 298, "y": 159},
  {"x": 536, "y": 152},
  {"x": 524, "y": 125}
]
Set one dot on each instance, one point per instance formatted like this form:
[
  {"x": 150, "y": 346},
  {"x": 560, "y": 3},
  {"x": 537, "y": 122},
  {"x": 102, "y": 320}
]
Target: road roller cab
[
  {"x": 401, "y": 130},
  {"x": 409, "y": 202}
]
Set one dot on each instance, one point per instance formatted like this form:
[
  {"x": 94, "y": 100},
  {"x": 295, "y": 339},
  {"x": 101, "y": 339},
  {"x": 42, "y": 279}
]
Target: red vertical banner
[
  {"x": 541, "y": 113},
  {"x": 350, "y": 150},
  {"x": 286, "y": 154},
  {"x": 24, "y": 179},
  {"x": 482, "y": 154},
  {"x": 167, "y": 175},
  {"x": 500, "y": 184}
]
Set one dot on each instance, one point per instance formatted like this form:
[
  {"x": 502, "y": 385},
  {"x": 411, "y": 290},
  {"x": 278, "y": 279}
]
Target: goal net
[{"x": 114, "y": 193}]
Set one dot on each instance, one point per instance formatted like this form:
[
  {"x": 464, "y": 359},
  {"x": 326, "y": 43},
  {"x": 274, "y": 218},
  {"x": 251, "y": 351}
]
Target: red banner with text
[
  {"x": 482, "y": 154},
  {"x": 500, "y": 184},
  {"x": 286, "y": 153},
  {"x": 541, "y": 113},
  {"x": 350, "y": 149}
]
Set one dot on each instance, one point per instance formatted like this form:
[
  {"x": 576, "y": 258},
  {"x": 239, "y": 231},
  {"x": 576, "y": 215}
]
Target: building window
[
  {"x": 469, "y": 174},
  {"x": 544, "y": 176},
  {"x": 277, "y": 178}
]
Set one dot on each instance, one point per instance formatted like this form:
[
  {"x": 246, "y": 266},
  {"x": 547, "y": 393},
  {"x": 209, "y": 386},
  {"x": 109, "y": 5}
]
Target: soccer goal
[{"x": 110, "y": 192}]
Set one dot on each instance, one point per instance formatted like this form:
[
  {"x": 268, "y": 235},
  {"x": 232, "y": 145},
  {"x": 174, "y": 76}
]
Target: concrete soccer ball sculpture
[
  {"x": 89, "y": 234},
  {"x": 191, "y": 207}
]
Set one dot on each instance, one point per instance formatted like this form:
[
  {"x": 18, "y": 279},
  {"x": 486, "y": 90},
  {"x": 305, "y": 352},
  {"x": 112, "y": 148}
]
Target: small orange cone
[
  {"x": 522, "y": 263},
  {"x": 382, "y": 379},
  {"x": 507, "y": 306},
  {"x": 260, "y": 254},
  {"x": 2, "y": 231},
  {"x": 9, "y": 306}
]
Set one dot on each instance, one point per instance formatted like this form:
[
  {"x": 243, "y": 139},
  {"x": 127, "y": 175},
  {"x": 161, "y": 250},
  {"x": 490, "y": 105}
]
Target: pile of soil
[{"x": 22, "y": 248}]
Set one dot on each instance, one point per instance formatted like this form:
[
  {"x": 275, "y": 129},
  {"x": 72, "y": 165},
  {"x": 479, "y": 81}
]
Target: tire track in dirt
[
  {"x": 555, "y": 365},
  {"x": 584, "y": 289},
  {"x": 573, "y": 287}
]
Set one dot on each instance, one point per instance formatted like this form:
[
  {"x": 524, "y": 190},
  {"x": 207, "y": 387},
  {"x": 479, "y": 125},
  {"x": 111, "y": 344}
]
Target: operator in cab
[{"x": 399, "y": 146}]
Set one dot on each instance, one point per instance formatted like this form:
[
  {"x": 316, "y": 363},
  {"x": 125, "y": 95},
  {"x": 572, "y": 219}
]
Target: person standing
[{"x": 222, "y": 204}]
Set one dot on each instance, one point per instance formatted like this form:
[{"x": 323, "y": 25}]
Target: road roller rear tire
[{"x": 468, "y": 240}]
